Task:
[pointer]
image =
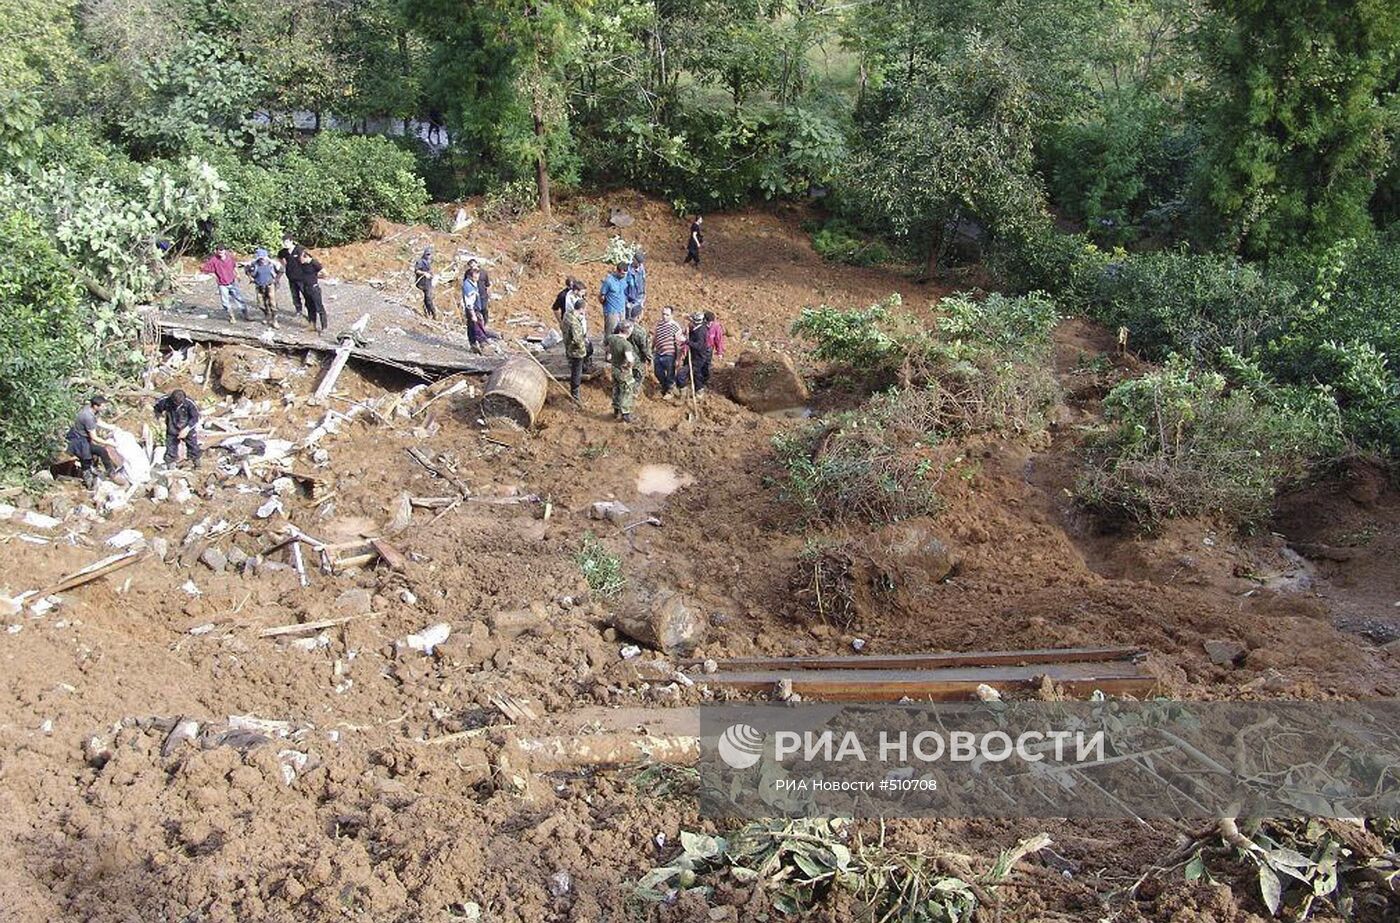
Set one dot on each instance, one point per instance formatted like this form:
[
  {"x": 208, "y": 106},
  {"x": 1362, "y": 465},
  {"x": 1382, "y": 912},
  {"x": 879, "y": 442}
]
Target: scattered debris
[{"x": 427, "y": 639}]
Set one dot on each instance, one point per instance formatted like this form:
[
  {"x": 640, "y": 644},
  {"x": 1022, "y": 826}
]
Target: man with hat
[{"x": 699, "y": 352}]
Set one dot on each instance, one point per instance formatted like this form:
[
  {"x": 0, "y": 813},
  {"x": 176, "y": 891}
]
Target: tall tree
[{"x": 1299, "y": 132}]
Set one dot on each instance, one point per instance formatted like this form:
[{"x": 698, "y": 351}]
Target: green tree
[
  {"x": 1299, "y": 131},
  {"x": 40, "y": 343},
  {"x": 957, "y": 144}
]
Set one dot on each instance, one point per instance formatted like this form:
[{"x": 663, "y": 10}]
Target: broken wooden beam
[
  {"x": 317, "y": 625},
  {"x": 935, "y": 661},
  {"x": 342, "y": 356},
  {"x": 940, "y": 685},
  {"x": 596, "y": 751},
  {"x": 94, "y": 571}
]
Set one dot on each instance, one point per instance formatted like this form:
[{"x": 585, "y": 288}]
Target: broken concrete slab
[{"x": 1224, "y": 652}]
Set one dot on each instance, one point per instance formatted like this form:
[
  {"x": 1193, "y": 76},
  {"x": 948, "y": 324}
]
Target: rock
[
  {"x": 184, "y": 729},
  {"x": 710, "y": 666},
  {"x": 358, "y": 601},
  {"x": 97, "y": 752},
  {"x": 243, "y": 370},
  {"x": 159, "y": 493},
  {"x": 213, "y": 558},
  {"x": 782, "y": 689},
  {"x": 59, "y": 506},
  {"x": 619, "y": 218},
  {"x": 560, "y": 883},
  {"x": 236, "y": 556},
  {"x": 659, "y": 618},
  {"x": 765, "y": 383},
  {"x": 36, "y": 520},
  {"x": 629, "y": 652},
  {"x": 512, "y": 623},
  {"x": 424, "y": 641},
  {"x": 611, "y": 510},
  {"x": 407, "y": 598},
  {"x": 858, "y": 645},
  {"x": 269, "y": 509},
  {"x": 1224, "y": 653},
  {"x": 987, "y": 693}
]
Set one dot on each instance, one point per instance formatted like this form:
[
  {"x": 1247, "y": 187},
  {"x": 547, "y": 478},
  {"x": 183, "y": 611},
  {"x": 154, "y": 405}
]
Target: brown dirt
[{"x": 376, "y": 822}]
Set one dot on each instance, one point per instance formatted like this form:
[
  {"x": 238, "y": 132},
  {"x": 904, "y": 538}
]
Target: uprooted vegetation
[
  {"x": 983, "y": 367},
  {"x": 806, "y": 864},
  {"x": 1181, "y": 442}
]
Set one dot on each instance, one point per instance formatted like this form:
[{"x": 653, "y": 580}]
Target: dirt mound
[
  {"x": 253, "y": 373},
  {"x": 765, "y": 383}
]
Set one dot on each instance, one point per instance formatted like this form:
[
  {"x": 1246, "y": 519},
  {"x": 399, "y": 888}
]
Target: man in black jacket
[
  {"x": 290, "y": 255},
  {"x": 181, "y": 424},
  {"x": 698, "y": 348}
]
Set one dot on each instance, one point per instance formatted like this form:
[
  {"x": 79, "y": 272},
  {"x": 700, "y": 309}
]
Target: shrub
[
  {"x": 1188, "y": 303},
  {"x": 324, "y": 194},
  {"x": 41, "y": 343},
  {"x": 880, "y": 337},
  {"x": 601, "y": 568},
  {"x": 1180, "y": 443},
  {"x": 840, "y": 242}
]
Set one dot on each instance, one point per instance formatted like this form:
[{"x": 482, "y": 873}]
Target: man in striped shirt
[{"x": 665, "y": 340}]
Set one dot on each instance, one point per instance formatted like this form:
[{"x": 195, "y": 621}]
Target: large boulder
[
  {"x": 659, "y": 618},
  {"x": 764, "y": 383},
  {"x": 251, "y": 372}
]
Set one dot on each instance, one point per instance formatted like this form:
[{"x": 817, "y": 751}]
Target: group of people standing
[
  {"x": 475, "y": 292},
  {"x": 294, "y": 262},
  {"x": 678, "y": 357}
]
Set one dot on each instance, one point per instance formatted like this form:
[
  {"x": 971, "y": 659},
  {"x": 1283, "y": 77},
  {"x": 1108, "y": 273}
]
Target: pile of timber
[{"x": 938, "y": 677}]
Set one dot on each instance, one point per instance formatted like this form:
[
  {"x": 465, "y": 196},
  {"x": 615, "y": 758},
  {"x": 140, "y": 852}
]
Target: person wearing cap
[
  {"x": 263, "y": 271},
  {"x": 85, "y": 444},
  {"x": 471, "y": 311},
  {"x": 224, "y": 268},
  {"x": 423, "y": 281},
  {"x": 665, "y": 343},
  {"x": 698, "y": 352},
  {"x": 636, "y": 288},
  {"x": 181, "y": 425},
  {"x": 290, "y": 255},
  {"x": 613, "y": 296},
  {"x": 622, "y": 356}
]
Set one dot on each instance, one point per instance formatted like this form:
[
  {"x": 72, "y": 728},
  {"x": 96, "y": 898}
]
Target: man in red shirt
[{"x": 225, "y": 270}]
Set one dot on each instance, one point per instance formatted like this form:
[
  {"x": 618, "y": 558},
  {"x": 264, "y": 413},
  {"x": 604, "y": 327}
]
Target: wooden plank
[
  {"x": 933, "y": 661},
  {"x": 949, "y": 684},
  {"x": 342, "y": 356},
  {"x": 391, "y": 555},
  {"x": 93, "y": 571},
  {"x": 313, "y": 626}
]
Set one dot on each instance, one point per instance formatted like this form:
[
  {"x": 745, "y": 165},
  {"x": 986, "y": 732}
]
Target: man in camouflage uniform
[
  {"x": 623, "y": 357},
  {"x": 641, "y": 343},
  {"x": 574, "y": 325}
]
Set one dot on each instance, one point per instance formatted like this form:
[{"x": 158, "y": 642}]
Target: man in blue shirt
[
  {"x": 636, "y": 288},
  {"x": 613, "y": 295}
]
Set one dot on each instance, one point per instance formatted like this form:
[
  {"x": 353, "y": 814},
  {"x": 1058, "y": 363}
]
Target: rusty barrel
[{"x": 515, "y": 392}]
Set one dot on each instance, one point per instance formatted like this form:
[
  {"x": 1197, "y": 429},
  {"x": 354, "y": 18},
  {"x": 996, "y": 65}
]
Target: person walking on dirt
[
  {"x": 471, "y": 310},
  {"x": 264, "y": 274},
  {"x": 636, "y": 288},
  {"x": 577, "y": 349},
  {"x": 290, "y": 255},
  {"x": 694, "y": 242},
  {"x": 423, "y": 281},
  {"x": 85, "y": 444},
  {"x": 181, "y": 424},
  {"x": 622, "y": 356},
  {"x": 698, "y": 353},
  {"x": 665, "y": 343},
  {"x": 311, "y": 290},
  {"x": 225, "y": 271},
  {"x": 483, "y": 292},
  {"x": 613, "y": 296}
]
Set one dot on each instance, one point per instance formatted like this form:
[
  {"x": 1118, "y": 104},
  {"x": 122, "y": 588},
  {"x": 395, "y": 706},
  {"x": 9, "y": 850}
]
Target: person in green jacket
[
  {"x": 623, "y": 358},
  {"x": 637, "y": 336},
  {"x": 576, "y": 346}
]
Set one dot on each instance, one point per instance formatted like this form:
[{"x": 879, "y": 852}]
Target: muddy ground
[{"x": 360, "y": 805}]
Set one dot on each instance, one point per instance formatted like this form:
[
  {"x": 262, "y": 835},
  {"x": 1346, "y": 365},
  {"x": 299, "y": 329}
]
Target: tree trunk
[
  {"x": 935, "y": 254},
  {"x": 541, "y": 166}
]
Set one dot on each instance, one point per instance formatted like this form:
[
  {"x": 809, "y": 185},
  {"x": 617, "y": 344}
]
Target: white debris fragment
[
  {"x": 42, "y": 607},
  {"x": 629, "y": 651},
  {"x": 10, "y": 606},
  {"x": 135, "y": 465},
  {"x": 428, "y": 638},
  {"x": 858, "y": 645},
  {"x": 314, "y": 643},
  {"x": 406, "y": 597},
  {"x": 36, "y": 520},
  {"x": 987, "y": 693},
  {"x": 283, "y": 486},
  {"x": 14, "y": 629},
  {"x": 180, "y": 491},
  {"x": 127, "y": 538},
  {"x": 270, "y": 508},
  {"x": 202, "y": 629},
  {"x": 191, "y": 589}
]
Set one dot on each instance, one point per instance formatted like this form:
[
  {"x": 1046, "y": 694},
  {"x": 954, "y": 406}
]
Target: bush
[
  {"x": 41, "y": 343},
  {"x": 859, "y": 469},
  {"x": 324, "y": 194},
  {"x": 601, "y": 568},
  {"x": 1180, "y": 443},
  {"x": 840, "y": 242}
]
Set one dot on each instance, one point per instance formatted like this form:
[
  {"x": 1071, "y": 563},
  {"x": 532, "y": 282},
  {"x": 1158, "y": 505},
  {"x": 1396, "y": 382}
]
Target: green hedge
[{"x": 323, "y": 194}]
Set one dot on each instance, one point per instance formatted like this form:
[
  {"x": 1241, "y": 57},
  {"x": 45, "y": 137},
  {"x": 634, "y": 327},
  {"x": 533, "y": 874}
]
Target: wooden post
[{"x": 342, "y": 356}]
